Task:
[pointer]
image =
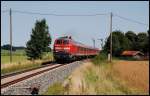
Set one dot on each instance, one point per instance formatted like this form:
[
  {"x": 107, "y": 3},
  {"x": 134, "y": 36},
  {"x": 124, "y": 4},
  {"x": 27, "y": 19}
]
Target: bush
[
  {"x": 99, "y": 59},
  {"x": 128, "y": 58}
]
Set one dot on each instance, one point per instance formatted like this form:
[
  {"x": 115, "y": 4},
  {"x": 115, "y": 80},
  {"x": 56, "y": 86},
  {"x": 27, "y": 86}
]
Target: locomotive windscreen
[
  {"x": 58, "y": 42},
  {"x": 65, "y": 42},
  {"x": 62, "y": 41}
]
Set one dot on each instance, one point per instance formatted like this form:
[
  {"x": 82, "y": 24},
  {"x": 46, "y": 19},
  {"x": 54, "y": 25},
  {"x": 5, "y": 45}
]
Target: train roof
[
  {"x": 83, "y": 45},
  {"x": 77, "y": 43}
]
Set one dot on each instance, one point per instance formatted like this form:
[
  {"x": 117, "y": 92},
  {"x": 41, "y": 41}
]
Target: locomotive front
[{"x": 62, "y": 49}]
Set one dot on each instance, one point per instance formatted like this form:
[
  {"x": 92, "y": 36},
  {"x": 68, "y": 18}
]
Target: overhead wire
[
  {"x": 131, "y": 20},
  {"x": 25, "y": 12},
  {"x": 121, "y": 17}
]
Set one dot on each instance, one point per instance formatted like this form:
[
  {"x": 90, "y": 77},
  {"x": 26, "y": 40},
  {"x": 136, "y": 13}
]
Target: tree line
[
  {"x": 14, "y": 48},
  {"x": 127, "y": 41}
]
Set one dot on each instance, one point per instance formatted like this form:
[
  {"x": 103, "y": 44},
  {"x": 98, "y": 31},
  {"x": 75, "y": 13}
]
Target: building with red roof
[{"x": 134, "y": 54}]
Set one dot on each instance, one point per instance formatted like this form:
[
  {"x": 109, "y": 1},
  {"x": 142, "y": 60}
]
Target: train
[{"x": 67, "y": 49}]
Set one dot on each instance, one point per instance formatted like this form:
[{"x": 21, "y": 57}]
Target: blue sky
[{"x": 81, "y": 28}]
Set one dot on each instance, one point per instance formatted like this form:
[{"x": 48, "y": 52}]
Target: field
[
  {"x": 136, "y": 73},
  {"x": 118, "y": 78},
  {"x": 17, "y": 56},
  {"x": 19, "y": 61}
]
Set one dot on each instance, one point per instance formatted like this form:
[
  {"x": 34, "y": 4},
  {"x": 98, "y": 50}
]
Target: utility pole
[
  {"x": 10, "y": 37},
  {"x": 93, "y": 42},
  {"x": 111, "y": 37},
  {"x": 101, "y": 42}
]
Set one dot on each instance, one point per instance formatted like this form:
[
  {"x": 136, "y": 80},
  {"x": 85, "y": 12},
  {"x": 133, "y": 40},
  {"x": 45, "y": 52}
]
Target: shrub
[{"x": 99, "y": 59}]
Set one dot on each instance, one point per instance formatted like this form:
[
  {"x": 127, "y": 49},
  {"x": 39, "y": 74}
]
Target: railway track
[
  {"x": 10, "y": 79},
  {"x": 19, "y": 72}
]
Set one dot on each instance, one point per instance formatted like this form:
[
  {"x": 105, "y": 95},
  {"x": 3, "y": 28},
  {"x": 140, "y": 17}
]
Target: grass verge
[
  {"x": 20, "y": 66},
  {"x": 55, "y": 89},
  {"x": 5, "y": 59},
  {"x": 20, "y": 62}
]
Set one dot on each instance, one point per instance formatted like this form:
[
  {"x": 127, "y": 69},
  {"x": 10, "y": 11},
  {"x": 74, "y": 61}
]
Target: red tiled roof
[{"x": 131, "y": 53}]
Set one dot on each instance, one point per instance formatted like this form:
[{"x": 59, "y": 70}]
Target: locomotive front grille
[{"x": 62, "y": 55}]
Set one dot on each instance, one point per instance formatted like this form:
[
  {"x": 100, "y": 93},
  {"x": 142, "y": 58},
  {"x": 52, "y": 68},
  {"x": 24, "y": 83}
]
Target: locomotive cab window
[
  {"x": 58, "y": 42},
  {"x": 65, "y": 41}
]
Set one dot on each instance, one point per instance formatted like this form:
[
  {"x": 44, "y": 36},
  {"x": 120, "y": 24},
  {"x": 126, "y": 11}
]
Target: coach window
[{"x": 79, "y": 49}]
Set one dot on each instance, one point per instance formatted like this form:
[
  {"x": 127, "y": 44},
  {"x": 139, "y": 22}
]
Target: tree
[
  {"x": 133, "y": 39},
  {"x": 119, "y": 43},
  {"x": 142, "y": 41},
  {"x": 147, "y": 43},
  {"x": 129, "y": 41},
  {"x": 40, "y": 40}
]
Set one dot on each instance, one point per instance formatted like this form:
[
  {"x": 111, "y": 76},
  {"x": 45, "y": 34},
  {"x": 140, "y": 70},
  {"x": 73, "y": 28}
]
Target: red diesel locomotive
[{"x": 67, "y": 49}]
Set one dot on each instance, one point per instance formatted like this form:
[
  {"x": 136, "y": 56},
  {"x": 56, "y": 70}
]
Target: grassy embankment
[
  {"x": 96, "y": 77},
  {"x": 19, "y": 61}
]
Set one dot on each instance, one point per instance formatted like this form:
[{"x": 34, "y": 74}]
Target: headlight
[
  {"x": 58, "y": 48},
  {"x": 67, "y": 48}
]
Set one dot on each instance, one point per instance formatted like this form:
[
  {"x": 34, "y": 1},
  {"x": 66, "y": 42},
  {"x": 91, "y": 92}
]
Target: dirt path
[{"x": 135, "y": 73}]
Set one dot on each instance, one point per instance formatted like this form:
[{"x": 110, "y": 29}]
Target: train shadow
[
  {"x": 61, "y": 61},
  {"x": 64, "y": 62},
  {"x": 48, "y": 62},
  {"x": 55, "y": 62}
]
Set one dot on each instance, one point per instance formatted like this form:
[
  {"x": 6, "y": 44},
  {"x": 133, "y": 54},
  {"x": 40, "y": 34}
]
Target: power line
[
  {"x": 131, "y": 20},
  {"x": 25, "y": 12}
]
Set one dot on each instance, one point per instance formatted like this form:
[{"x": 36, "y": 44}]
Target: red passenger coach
[{"x": 67, "y": 49}]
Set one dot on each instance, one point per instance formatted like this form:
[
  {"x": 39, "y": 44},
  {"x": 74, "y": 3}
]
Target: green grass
[
  {"x": 19, "y": 56},
  {"x": 48, "y": 56},
  {"x": 19, "y": 67},
  {"x": 17, "y": 52},
  {"x": 15, "y": 58},
  {"x": 19, "y": 61},
  {"x": 91, "y": 77},
  {"x": 100, "y": 59},
  {"x": 55, "y": 89}
]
